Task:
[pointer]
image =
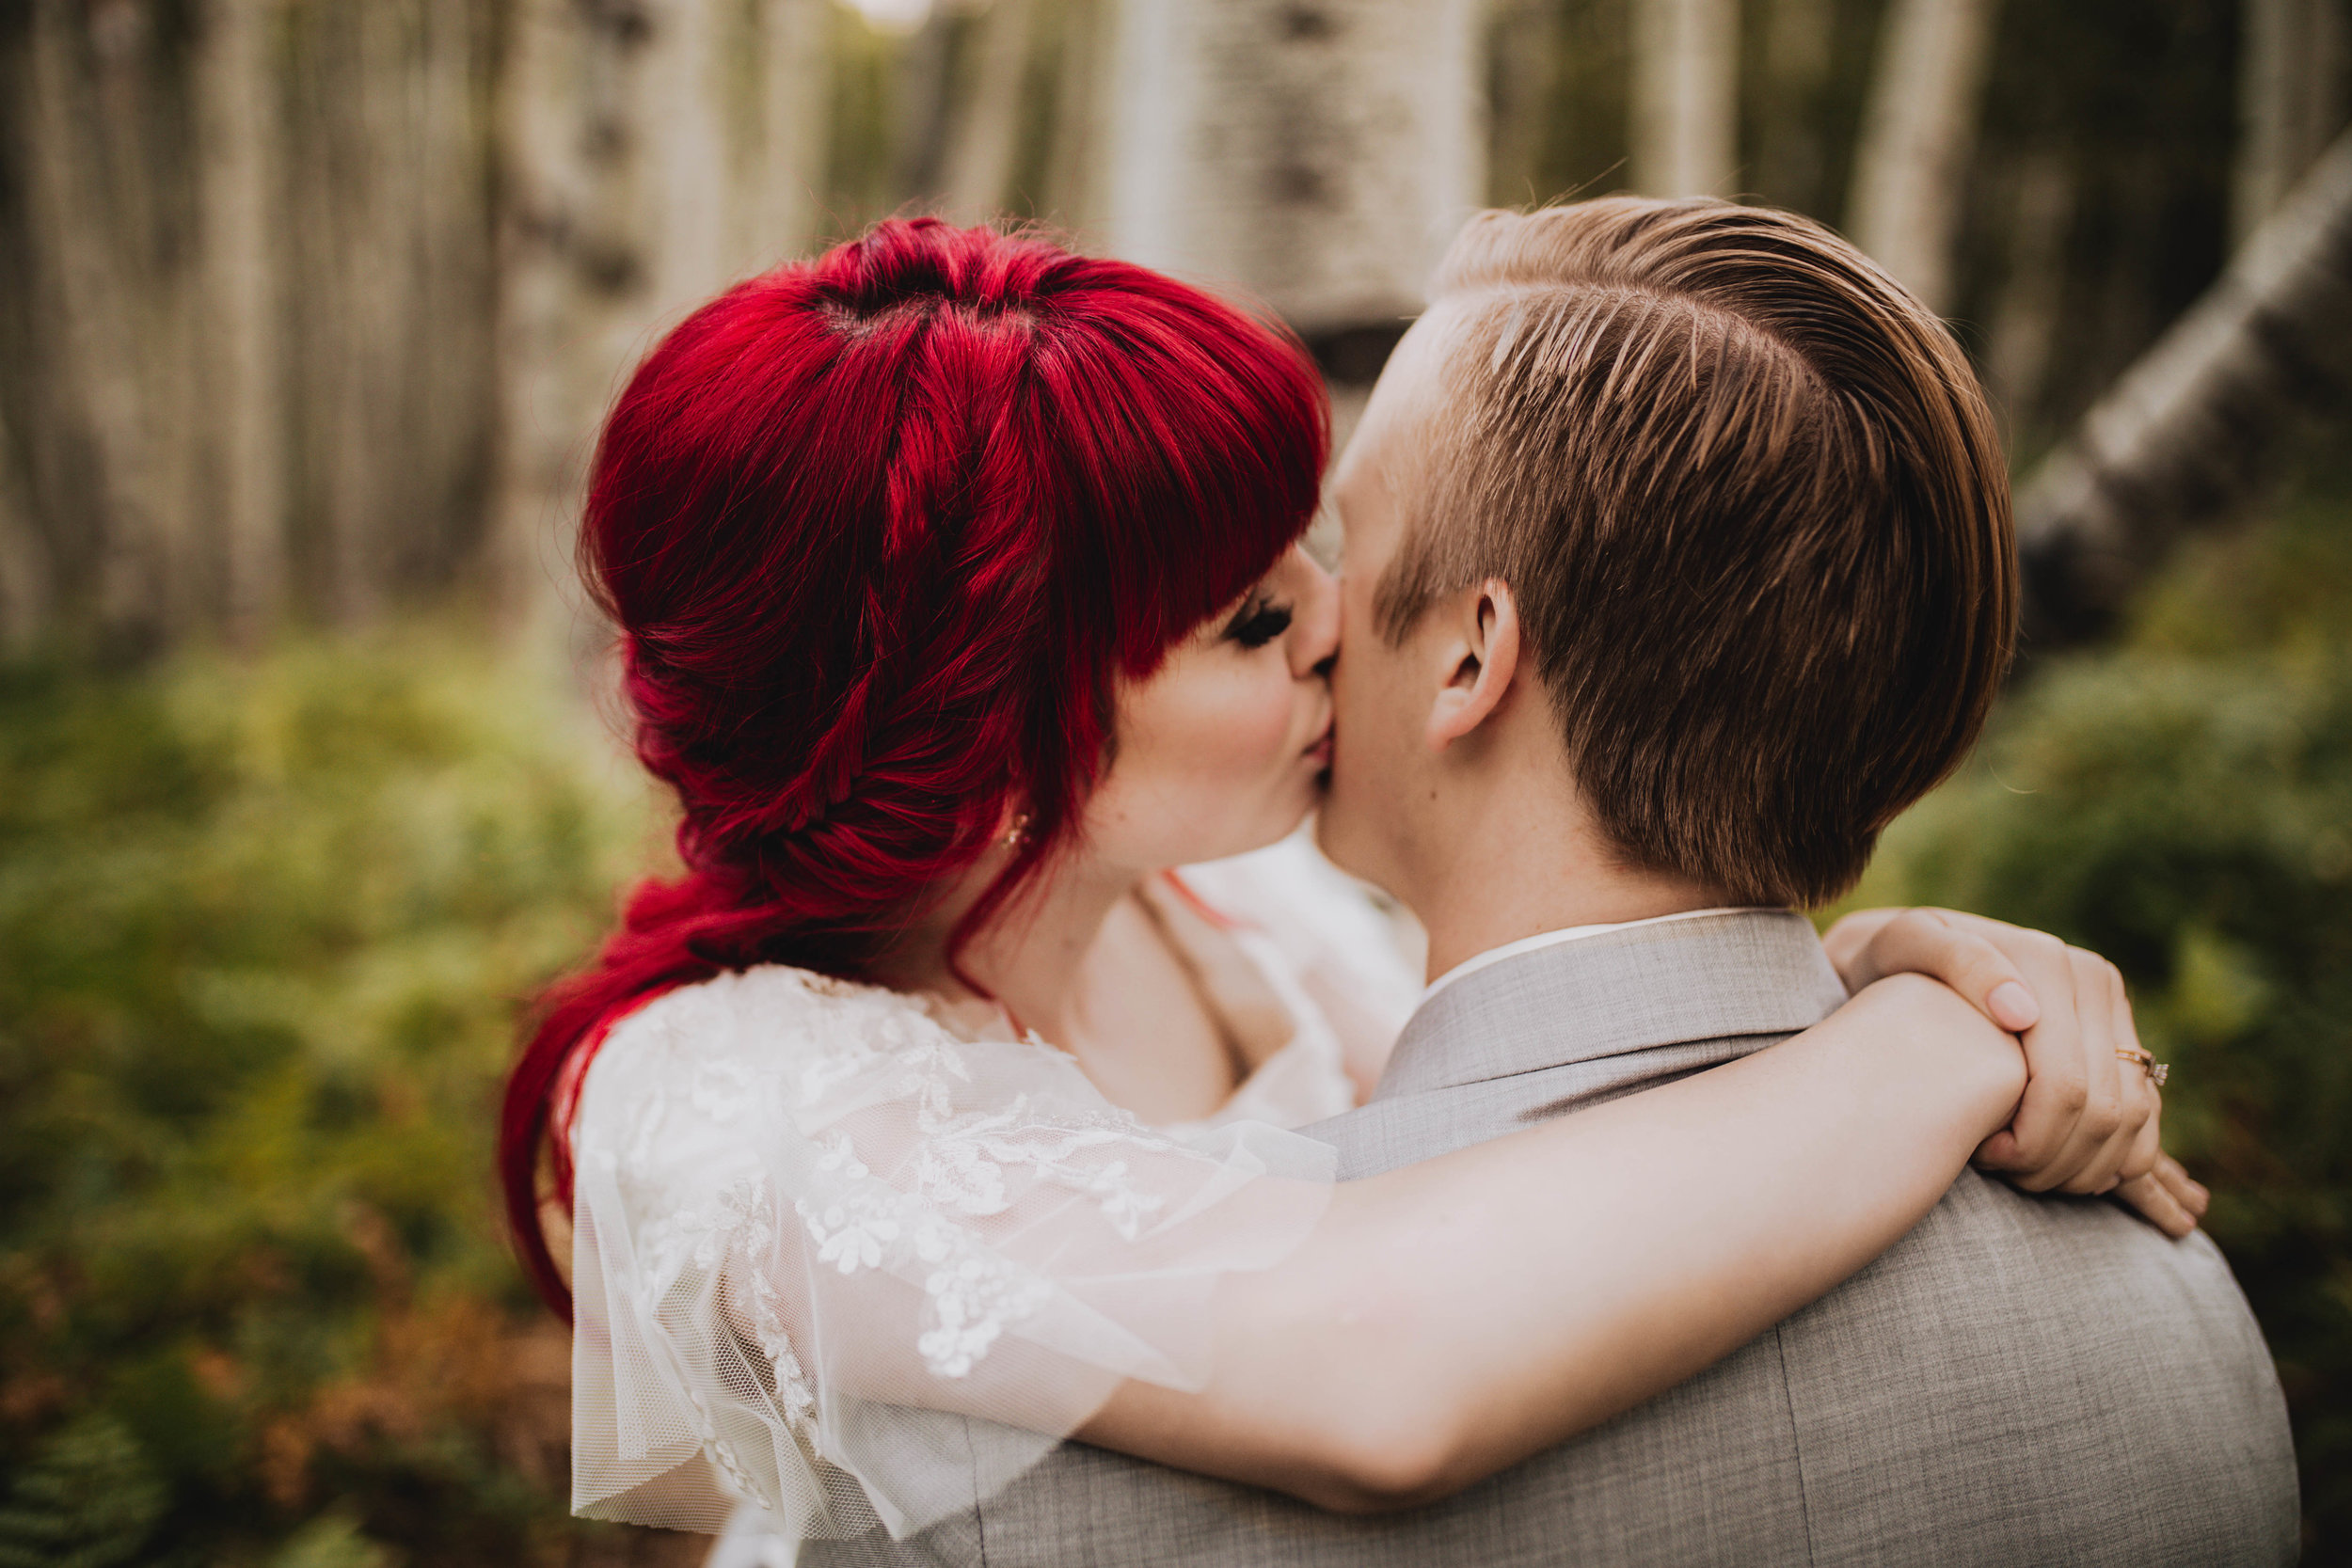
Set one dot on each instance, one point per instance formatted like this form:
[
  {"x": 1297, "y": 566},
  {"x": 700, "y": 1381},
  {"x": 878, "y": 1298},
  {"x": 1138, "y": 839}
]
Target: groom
[{"x": 1678, "y": 563}]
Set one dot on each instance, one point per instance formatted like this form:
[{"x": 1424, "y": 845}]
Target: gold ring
[{"x": 2157, "y": 1071}]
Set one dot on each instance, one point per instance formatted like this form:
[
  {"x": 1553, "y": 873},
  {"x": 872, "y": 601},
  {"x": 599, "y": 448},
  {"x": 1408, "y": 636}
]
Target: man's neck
[
  {"x": 1528, "y": 859},
  {"x": 1539, "y": 899}
]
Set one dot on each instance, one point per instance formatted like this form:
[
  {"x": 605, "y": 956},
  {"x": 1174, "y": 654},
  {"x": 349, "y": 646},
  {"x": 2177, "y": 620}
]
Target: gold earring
[{"x": 1017, "y": 833}]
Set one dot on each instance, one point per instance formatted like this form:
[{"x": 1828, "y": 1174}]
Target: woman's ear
[{"x": 1482, "y": 651}]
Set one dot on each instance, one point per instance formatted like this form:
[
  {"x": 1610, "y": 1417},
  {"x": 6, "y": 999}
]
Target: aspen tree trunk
[
  {"x": 120, "y": 526},
  {"x": 736, "y": 93},
  {"x": 987, "y": 135},
  {"x": 1316, "y": 152},
  {"x": 1523, "y": 46},
  {"x": 24, "y": 567},
  {"x": 2184, "y": 431},
  {"x": 1075, "y": 172},
  {"x": 1918, "y": 135},
  {"x": 2026, "y": 317},
  {"x": 2290, "y": 101},
  {"x": 783, "y": 175},
  {"x": 574, "y": 274},
  {"x": 923, "y": 87},
  {"x": 1686, "y": 96},
  {"x": 389, "y": 233},
  {"x": 237, "y": 110},
  {"x": 1792, "y": 163},
  {"x": 683, "y": 122}
]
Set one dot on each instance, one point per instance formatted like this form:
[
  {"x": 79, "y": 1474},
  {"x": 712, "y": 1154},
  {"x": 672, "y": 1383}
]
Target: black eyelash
[{"x": 1259, "y": 624}]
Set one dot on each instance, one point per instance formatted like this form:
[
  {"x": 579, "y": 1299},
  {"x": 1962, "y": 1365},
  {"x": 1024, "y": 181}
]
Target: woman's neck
[{"x": 1030, "y": 956}]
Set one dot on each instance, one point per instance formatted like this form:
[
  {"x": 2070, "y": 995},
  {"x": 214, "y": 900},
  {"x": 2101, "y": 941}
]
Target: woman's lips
[{"x": 1320, "y": 753}]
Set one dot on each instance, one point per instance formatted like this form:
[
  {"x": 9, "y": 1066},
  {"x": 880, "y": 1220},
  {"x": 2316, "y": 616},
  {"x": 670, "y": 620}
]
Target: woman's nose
[{"x": 1316, "y": 623}]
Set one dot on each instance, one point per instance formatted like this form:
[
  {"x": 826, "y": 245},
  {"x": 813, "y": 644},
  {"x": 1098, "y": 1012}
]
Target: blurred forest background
[{"x": 309, "y": 308}]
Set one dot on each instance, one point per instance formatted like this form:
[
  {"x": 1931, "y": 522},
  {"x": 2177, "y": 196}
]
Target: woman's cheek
[
  {"x": 1248, "y": 730},
  {"x": 1206, "y": 764}
]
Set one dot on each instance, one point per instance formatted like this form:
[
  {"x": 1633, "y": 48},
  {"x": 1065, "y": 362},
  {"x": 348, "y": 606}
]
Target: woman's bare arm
[{"x": 1454, "y": 1316}]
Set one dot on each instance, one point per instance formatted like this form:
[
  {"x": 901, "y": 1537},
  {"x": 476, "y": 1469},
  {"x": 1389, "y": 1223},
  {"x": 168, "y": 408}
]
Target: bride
[{"x": 929, "y": 1119}]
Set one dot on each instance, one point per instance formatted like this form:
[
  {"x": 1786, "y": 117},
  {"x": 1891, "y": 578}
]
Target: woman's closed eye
[{"x": 1259, "y": 623}]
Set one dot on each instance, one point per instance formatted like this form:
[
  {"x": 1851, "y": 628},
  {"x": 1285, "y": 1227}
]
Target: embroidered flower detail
[
  {"x": 956, "y": 1174},
  {"x": 971, "y": 1303},
  {"x": 849, "y": 1242},
  {"x": 840, "y": 1157},
  {"x": 1124, "y": 1204},
  {"x": 721, "y": 1085}
]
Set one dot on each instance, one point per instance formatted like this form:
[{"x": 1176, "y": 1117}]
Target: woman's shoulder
[
  {"x": 727, "y": 1051},
  {"x": 773, "y": 1014}
]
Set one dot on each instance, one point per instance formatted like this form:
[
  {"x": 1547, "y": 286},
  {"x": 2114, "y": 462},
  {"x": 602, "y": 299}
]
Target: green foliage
[
  {"x": 264, "y": 929},
  {"x": 330, "y": 1541},
  {"x": 2184, "y": 804},
  {"x": 88, "y": 1499}
]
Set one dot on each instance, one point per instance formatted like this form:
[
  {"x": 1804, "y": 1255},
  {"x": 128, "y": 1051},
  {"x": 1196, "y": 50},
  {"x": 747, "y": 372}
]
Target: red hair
[{"x": 878, "y": 532}]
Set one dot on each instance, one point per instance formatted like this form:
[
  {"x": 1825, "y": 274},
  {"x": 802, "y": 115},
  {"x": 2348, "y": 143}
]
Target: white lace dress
[{"x": 819, "y": 1226}]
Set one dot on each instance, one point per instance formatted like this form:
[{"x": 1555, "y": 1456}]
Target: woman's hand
[{"x": 2088, "y": 1121}]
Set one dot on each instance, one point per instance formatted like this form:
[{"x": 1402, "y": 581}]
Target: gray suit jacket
[{"x": 2018, "y": 1381}]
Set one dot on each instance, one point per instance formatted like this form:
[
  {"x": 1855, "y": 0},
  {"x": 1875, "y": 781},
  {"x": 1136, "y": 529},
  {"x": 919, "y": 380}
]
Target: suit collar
[{"x": 1713, "y": 976}]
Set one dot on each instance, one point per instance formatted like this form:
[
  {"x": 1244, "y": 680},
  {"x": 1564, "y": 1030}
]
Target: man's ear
[{"x": 1481, "y": 653}]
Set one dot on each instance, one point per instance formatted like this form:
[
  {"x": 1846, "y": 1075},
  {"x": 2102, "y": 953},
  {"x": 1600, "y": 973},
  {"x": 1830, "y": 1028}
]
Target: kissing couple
[{"x": 1012, "y": 1141}]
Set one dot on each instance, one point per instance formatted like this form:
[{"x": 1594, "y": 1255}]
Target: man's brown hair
[{"x": 1755, "y": 514}]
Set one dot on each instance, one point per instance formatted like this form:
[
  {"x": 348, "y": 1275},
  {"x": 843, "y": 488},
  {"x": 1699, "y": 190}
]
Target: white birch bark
[
  {"x": 779, "y": 189},
  {"x": 574, "y": 274},
  {"x": 1686, "y": 96},
  {"x": 2290, "y": 101},
  {"x": 1316, "y": 152},
  {"x": 1790, "y": 163},
  {"x": 236, "y": 105},
  {"x": 987, "y": 133},
  {"x": 1524, "y": 45},
  {"x": 1076, "y": 171},
  {"x": 1918, "y": 136},
  {"x": 683, "y": 121},
  {"x": 922, "y": 94},
  {"x": 2026, "y": 317},
  {"x": 120, "y": 360},
  {"x": 27, "y": 575},
  {"x": 2184, "y": 433}
]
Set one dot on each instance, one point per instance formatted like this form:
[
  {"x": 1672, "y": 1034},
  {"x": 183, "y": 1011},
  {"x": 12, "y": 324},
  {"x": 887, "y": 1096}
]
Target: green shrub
[{"x": 263, "y": 927}]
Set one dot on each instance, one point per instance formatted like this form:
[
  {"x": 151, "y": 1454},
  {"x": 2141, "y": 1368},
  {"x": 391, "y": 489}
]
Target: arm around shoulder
[{"x": 1454, "y": 1316}]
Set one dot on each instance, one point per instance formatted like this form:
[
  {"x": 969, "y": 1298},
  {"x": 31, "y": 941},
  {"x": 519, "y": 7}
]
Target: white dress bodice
[{"x": 817, "y": 1225}]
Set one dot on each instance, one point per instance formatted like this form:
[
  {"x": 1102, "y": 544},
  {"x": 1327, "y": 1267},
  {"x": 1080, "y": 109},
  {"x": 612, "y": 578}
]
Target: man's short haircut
[{"x": 1752, "y": 508}]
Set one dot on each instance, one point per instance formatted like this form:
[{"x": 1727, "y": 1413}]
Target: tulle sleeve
[{"x": 834, "y": 1259}]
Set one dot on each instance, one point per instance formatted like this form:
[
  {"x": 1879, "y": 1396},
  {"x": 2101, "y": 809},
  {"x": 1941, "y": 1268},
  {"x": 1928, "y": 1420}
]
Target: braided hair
[{"x": 878, "y": 532}]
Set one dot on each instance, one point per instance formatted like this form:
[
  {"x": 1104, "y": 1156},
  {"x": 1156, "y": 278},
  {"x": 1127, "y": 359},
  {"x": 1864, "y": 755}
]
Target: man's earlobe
[{"x": 1483, "y": 653}]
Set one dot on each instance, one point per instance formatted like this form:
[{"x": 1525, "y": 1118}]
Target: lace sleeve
[{"x": 832, "y": 1258}]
